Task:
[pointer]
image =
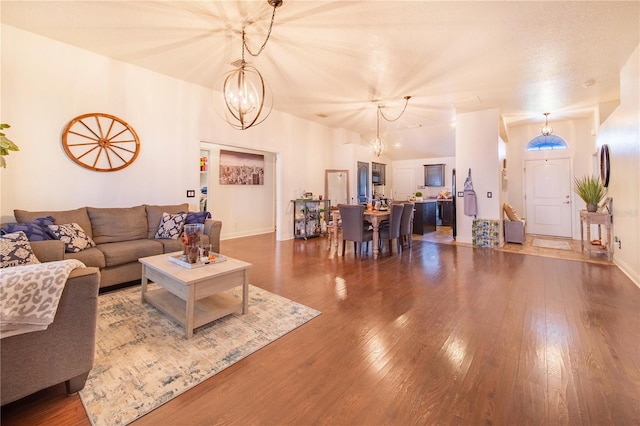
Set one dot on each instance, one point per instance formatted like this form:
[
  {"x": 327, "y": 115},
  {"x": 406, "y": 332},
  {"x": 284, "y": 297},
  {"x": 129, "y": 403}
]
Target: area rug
[
  {"x": 144, "y": 360},
  {"x": 554, "y": 244}
]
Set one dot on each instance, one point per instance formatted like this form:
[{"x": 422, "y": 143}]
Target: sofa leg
[{"x": 76, "y": 384}]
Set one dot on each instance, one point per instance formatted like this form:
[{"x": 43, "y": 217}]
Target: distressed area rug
[
  {"x": 554, "y": 244},
  {"x": 144, "y": 360}
]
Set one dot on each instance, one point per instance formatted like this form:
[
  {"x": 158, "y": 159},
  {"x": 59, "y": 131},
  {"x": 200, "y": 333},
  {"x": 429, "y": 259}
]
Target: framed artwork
[{"x": 241, "y": 168}]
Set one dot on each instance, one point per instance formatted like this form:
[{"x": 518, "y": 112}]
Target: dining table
[{"x": 375, "y": 217}]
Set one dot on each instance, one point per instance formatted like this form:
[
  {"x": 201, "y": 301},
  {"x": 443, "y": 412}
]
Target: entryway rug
[
  {"x": 144, "y": 360},
  {"x": 554, "y": 244}
]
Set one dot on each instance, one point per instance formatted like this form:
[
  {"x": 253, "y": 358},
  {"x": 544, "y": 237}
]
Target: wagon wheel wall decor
[{"x": 100, "y": 142}]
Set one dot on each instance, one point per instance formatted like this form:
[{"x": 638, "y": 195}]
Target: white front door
[
  {"x": 548, "y": 197},
  {"x": 404, "y": 185}
]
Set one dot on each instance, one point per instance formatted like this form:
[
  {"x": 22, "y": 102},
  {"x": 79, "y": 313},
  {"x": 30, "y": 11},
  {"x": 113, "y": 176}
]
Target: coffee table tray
[{"x": 181, "y": 260}]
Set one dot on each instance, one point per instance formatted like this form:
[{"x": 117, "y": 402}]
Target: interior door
[
  {"x": 404, "y": 183},
  {"x": 548, "y": 197},
  {"x": 363, "y": 182}
]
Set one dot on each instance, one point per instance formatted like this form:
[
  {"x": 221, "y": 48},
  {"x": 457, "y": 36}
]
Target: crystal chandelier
[
  {"x": 378, "y": 145},
  {"x": 546, "y": 130},
  {"x": 247, "y": 97}
]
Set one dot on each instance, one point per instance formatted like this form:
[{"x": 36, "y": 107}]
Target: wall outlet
[
  {"x": 460, "y": 194},
  {"x": 191, "y": 193}
]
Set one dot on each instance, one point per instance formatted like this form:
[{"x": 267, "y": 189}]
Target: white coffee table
[{"x": 194, "y": 297}]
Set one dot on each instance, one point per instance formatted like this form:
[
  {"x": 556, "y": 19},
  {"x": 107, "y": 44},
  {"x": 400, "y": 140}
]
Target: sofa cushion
[
  {"x": 36, "y": 230},
  {"x": 154, "y": 215},
  {"x": 171, "y": 225},
  {"x": 15, "y": 250},
  {"x": 74, "y": 237},
  {"x": 90, "y": 257},
  {"x": 129, "y": 251},
  {"x": 78, "y": 216},
  {"x": 112, "y": 225}
]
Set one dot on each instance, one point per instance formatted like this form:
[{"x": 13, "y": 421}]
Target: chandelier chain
[
  {"x": 406, "y": 102},
  {"x": 244, "y": 41}
]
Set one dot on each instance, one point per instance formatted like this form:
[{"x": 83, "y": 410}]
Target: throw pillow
[
  {"x": 197, "y": 217},
  {"x": 73, "y": 237},
  {"x": 511, "y": 212},
  {"x": 15, "y": 250},
  {"x": 36, "y": 230},
  {"x": 171, "y": 225}
]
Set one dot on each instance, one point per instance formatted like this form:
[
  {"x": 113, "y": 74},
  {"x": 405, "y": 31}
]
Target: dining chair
[
  {"x": 391, "y": 230},
  {"x": 353, "y": 227},
  {"x": 405, "y": 225}
]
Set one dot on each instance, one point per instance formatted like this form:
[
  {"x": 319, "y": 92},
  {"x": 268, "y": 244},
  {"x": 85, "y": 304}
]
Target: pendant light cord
[
  {"x": 244, "y": 42},
  {"x": 406, "y": 102}
]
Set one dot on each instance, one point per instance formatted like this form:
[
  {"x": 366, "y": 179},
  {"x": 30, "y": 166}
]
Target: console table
[{"x": 600, "y": 219}]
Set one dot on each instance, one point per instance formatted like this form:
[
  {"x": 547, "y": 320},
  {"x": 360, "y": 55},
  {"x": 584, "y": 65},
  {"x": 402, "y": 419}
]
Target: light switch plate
[
  {"x": 460, "y": 194},
  {"x": 489, "y": 194},
  {"x": 191, "y": 193}
]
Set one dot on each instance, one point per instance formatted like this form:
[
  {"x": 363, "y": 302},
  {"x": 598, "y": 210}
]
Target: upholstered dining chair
[
  {"x": 353, "y": 227},
  {"x": 391, "y": 230},
  {"x": 405, "y": 224}
]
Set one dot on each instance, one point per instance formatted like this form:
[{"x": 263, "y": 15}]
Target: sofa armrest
[
  {"x": 48, "y": 251},
  {"x": 213, "y": 228},
  {"x": 68, "y": 343}
]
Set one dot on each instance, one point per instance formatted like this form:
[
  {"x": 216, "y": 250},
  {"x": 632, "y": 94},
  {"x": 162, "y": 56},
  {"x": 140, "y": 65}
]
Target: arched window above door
[{"x": 546, "y": 142}]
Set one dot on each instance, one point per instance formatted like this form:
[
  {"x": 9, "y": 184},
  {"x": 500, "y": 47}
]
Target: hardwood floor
[{"x": 439, "y": 334}]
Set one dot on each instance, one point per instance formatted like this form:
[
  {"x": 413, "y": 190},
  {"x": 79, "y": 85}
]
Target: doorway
[
  {"x": 363, "y": 182},
  {"x": 548, "y": 197}
]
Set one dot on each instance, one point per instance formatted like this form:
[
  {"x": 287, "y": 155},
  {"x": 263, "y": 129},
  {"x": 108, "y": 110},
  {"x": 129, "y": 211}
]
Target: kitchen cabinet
[
  {"x": 434, "y": 175},
  {"x": 310, "y": 218},
  {"x": 378, "y": 173},
  {"x": 445, "y": 213},
  {"x": 424, "y": 217}
]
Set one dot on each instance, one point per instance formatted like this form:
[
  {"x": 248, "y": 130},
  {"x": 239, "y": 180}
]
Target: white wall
[
  {"x": 581, "y": 146},
  {"x": 621, "y": 131},
  {"x": 45, "y": 84},
  {"x": 477, "y": 149}
]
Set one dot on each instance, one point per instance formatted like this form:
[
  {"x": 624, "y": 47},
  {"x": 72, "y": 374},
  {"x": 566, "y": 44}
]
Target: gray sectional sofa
[
  {"x": 64, "y": 352},
  {"x": 122, "y": 236}
]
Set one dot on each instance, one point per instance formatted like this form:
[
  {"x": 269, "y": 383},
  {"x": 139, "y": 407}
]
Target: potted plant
[
  {"x": 418, "y": 196},
  {"x": 591, "y": 190},
  {"x": 5, "y": 145}
]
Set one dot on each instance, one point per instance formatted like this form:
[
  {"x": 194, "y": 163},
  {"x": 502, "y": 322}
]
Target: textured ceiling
[{"x": 332, "y": 62}]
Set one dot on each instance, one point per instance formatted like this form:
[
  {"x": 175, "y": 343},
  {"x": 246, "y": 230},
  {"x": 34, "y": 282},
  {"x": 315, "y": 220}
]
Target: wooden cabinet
[
  {"x": 310, "y": 218},
  {"x": 445, "y": 213},
  {"x": 424, "y": 217},
  {"x": 434, "y": 174}
]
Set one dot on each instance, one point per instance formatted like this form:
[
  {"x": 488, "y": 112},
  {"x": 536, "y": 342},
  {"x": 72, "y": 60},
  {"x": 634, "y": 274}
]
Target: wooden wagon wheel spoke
[{"x": 104, "y": 153}]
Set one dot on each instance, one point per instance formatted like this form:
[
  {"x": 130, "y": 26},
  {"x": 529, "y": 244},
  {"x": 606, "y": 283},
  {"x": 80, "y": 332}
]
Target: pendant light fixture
[
  {"x": 546, "y": 130},
  {"x": 247, "y": 97},
  {"x": 378, "y": 145}
]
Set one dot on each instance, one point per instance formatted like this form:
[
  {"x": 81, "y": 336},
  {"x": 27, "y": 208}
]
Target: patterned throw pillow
[
  {"x": 73, "y": 237},
  {"x": 171, "y": 225},
  {"x": 36, "y": 230},
  {"x": 197, "y": 217},
  {"x": 15, "y": 250}
]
